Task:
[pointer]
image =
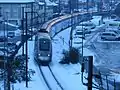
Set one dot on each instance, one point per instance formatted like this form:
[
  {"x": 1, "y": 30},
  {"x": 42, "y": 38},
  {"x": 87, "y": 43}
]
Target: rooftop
[{"x": 16, "y": 1}]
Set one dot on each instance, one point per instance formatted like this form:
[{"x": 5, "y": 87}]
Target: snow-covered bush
[
  {"x": 72, "y": 56},
  {"x": 65, "y": 58}
]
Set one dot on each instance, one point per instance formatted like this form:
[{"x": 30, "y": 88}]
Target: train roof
[{"x": 43, "y": 35}]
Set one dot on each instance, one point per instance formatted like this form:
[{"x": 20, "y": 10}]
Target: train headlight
[
  {"x": 48, "y": 55},
  {"x": 39, "y": 54}
]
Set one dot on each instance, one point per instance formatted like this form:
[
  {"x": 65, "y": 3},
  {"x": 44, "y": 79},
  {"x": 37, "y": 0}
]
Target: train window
[{"x": 44, "y": 44}]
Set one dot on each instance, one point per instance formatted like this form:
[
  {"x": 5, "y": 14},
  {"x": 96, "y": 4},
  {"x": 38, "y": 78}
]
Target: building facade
[
  {"x": 45, "y": 8},
  {"x": 11, "y": 10}
]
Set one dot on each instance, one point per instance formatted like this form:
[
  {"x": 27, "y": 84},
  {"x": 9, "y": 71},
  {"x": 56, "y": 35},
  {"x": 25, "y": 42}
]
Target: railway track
[{"x": 49, "y": 78}]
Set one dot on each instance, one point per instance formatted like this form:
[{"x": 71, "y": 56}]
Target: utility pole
[
  {"x": 31, "y": 19},
  {"x": 26, "y": 49},
  {"x": 8, "y": 67},
  {"x": 77, "y": 5},
  {"x": 70, "y": 7},
  {"x": 59, "y": 7},
  {"x": 22, "y": 24},
  {"x": 5, "y": 61},
  {"x": 44, "y": 10},
  {"x": 90, "y": 72},
  {"x": 87, "y": 5},
  {"x": 71, "y": 31}
]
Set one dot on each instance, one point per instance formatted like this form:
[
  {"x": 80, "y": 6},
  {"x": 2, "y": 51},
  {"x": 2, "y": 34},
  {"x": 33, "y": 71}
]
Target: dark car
[
  {"x": 3, "y": 39},
  {"x": 11, "y": 34},
  {"x": 9, "y": 47},
  {"x": 56, "y": 15}
]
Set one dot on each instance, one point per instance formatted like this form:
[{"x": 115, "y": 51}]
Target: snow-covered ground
[
  {"x": 36, "y": 83},
  {"x": 68, "y": 75}
]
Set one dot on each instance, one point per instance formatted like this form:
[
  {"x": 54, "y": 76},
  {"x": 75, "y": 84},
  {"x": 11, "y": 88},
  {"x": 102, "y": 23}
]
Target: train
[
  {"x": 43, "y": 39},
  {"x": 43, "y": 48}
]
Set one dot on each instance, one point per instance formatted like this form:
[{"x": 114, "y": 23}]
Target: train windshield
[{"x": 44, "y": 44}]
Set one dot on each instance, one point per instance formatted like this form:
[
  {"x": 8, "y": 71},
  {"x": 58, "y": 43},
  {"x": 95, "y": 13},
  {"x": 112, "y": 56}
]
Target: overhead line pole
[
  {"x": 22, "y": 24},
  {"x": 5, "y": 79},
  {"x": 8, "y": 60},
  {"x": 31, "y": 18},
  {"x": 70, "y": 41},
  {"x": 44, "y": 10},
  {"x": 26, "y": 49},
  {"x": 90, "y": 72},
  {"x": 59, "y": 7},
  {"x": 87, "y": 5}
]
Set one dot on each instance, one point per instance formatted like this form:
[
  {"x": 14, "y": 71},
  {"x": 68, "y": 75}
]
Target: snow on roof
[
  {"x": 1, "y": 53},
  {"x": 10, "y": 24},
  {"x": 16, "y": 1},
  {"x": 40, "y": 3},
  {"x": 98, "y": 17},
  {"x": 49, "y": 3},
  {"x": 82, "y": 0}
]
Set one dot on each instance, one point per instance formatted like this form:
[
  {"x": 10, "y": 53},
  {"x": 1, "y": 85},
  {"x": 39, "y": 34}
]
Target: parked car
[
  {"x": 3, "y": 39},
  {"x": 9, "y": 47},
  {"x": 88, "y": 25},
  {"x": 55, "y": 15},
  {"x": 11, "y": 44},
  {"x": 117, "y": 32},
  {"x": 79, "y": 34},
  {"x": 119, "y": 27},
  {"x": 11, "y": 34},
  {"x": 110, "y": 36}
]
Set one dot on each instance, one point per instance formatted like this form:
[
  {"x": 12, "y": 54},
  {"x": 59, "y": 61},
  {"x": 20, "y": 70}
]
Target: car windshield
[
  {"x": 109, "y": 34},
  {"x": 117, "y": 32},
  {"x": 106, "y": 34},
  {"x": 113, "y": 24},
  {"x": 44, "y": 44},
  {"x": 86, "y": 24},
  {"x": 79, "y": 33}
]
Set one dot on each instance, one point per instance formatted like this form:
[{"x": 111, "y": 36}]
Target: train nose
[{"x": 42, "y": 58}]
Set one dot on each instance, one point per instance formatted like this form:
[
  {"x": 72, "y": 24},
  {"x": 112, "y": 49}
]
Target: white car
[
  {"x": 79, "y": 34},
  {"x": 88, "y": 25},
  {"x": 110, "y": 36}
]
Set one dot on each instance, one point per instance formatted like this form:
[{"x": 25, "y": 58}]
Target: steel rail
[
  {"x": 55, "y": 78},
  {"x": 47, "y": 84}
]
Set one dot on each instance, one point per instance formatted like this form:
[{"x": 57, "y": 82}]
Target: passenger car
[
  {"x": 88, "y": 25},
  {"x": 9, "y": 47},
  {"x": 11, "y": 34},
  {"x": 3, "y": 39},
  {"x": 79, "y": 34},
  {"x": 110, "y": 36}
]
